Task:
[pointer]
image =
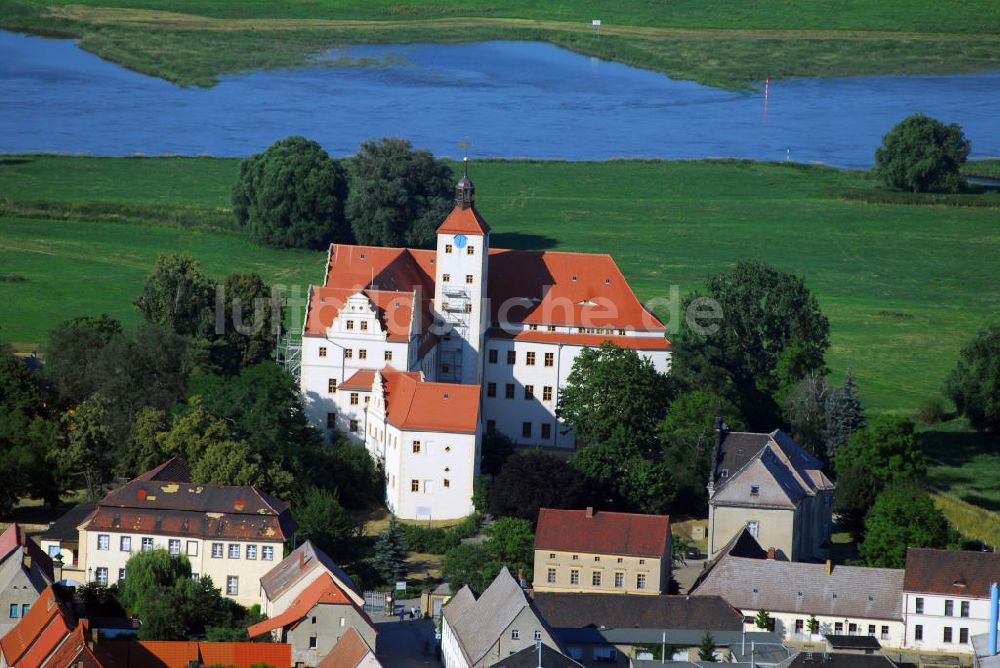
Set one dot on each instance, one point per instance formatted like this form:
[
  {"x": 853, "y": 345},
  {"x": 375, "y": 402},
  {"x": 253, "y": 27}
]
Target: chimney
[
  {"x": 302, "y": 560},
  {"x": 57, "y": 568},
  {"x": 771, "y": 553},
  {"x": 590, "y": 511},
  {"x": 829, "y": 567},
  {"x": 994, "y": 613},
  {"x": 26, "y": 558}
]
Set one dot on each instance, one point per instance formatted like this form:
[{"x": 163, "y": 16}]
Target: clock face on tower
[{"x": 461, "y": 240}]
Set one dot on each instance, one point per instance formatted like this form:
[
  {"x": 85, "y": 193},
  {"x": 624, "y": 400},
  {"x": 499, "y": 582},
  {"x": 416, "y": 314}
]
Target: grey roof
[
  {"x": 791, "y": 586},
  {"x": 981, "y": 648},
  {"x": 783, "y": 471},
  {"x": 806, "y": 659},
  {"x": 528, "y": 658},
  {"x": 680, "y": 637},
  {"x": 299, "y": 564},
  {"x": 852, "y": 642},
  {"x": 634, "y": 611},
  {"x": 479, "y": 623},
  {"x": 65, "y": 528}
]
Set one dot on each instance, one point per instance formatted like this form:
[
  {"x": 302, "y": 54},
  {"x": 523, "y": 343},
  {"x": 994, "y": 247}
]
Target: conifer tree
[
  {"x": 706, "y": 651},
  {"x": 844, "y": 416},
  {"x": 390, "y": 553}
]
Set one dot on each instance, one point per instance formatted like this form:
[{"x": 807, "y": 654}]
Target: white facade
[
  {"x": 944, "y": 623},
  {"x": 460, "y": 301},
  {"x": 234, "y": 566},
  {"x": 794, "y": 626}
]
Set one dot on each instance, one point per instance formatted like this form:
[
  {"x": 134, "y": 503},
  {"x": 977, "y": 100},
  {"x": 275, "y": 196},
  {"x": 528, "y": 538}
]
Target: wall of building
[
  {"x": 198, "y": 551},
  {"x": 451, "y": 651},
  {"x": 18, "y": 590},
  {"x": 656, "y": 572},
  {"x": 55, "y": 547},
  {"x": 775, "y": 527},
  {"x": 889, "y": 632},
  {"x": 326, "y": 623},
  {"x": 933, "y": 622},
  {"x": 529, "y": 629},
  {"x": 445, "y": 470}
]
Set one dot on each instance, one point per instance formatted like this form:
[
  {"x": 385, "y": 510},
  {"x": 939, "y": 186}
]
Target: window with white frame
[
  {"x": 121, "y": 575},
  {"x": 515, "y": 634},
  {"x": 217, "y": 549},
  {"x": 232, "y": 585},
  {"x": 267, "y": 553},
  {"x": 753, "y": 526},
  {"x": 174, "y": 547},
  {"x": 103, "y": 541},
  {"x": 101, "y": 576},
  {"x": 234, "y": 550},
  {"x": 147, "y": 544},
  {"x": 251, "y": 552},
  {"x": 125, "y": 544}
]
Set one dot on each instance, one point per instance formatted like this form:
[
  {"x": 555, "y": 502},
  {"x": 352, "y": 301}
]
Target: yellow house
[
  {"x": 771, "y": 486},
  {"x": 233, "y": 534},
  {"x": 601, "y": 552}
]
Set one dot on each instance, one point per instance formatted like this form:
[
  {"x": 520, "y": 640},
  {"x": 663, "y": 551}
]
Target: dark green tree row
[{"x": 294, "y": 195}]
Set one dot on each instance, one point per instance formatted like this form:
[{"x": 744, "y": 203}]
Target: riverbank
[
  {"x": 726, "y": 44},
  {"x": 904, "y": 285}
]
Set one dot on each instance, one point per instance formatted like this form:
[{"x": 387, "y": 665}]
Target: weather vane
[{"x": 464, "y": 145}]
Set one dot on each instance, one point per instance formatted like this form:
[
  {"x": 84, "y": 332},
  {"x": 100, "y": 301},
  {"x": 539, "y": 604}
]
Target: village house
[
  {"x": 316, "y": 620},
  {"x": 281, "y": 585},
  {"x": 946, "y": 598},
  {"x": 591, "y": 551},
  {"x": 39, "y": 632},
  {"x": 845, "y": 600},
  {"x": 602, "y": 629},
  {"x": 25, "y": 571},
  {"x": 507, "y": 323},
  {"x": 62, "y": 539},
  {"x": 773, "y": 487},
  {"x": 503, "y": 621},
  {"x": 541, "y": 656},
  {"x": 232, "y": 534},
  {"x": 351, "y": 651}
]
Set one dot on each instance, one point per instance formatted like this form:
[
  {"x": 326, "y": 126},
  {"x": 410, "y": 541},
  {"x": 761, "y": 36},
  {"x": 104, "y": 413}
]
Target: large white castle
[{"x": 418, "y": 353}]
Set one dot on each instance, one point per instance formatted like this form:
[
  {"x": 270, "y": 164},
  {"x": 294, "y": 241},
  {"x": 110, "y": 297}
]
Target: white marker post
[{"x": 596, "y": 23}]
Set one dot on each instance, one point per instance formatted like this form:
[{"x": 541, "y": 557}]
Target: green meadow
[
  {"x": 727, "y": 43},
  {"x": 904, "y": 285}
]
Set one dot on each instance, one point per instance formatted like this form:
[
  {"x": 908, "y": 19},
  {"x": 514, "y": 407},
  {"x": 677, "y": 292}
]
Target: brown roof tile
[
  {"x": 602, "y": 532},
  {"x": 631, "y": 611},
  {"x": 951, "y": 572}
]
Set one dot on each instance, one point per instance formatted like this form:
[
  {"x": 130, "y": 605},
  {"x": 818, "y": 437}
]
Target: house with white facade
[
  {"x": 283, "y": 584},
  {"x": 946, "y": 598},
  {"x": 234, "y": 534},
  {"x": 508, "y": 323}
]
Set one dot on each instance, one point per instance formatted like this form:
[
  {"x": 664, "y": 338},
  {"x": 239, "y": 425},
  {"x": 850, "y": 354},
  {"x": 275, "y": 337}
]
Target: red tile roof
[
  {"x": 395, "y": 310},
  {"x": 14, "y": 539},
  {"x": 181, "y": 653},
  {"x": 360, "y": 380},
  {"x": 348, "y": 651},
  {"x": 416, "y": 405},
  {"x": 630, "y": 342},
  {"x": 39, "y": 632},
  {"x": 322, "y": 591},
  {"x": 75, "y": 652},
  {"x": 464, "y": 221},
  {"x": 602, "y": 533},
  {"x": 152, "y": 504},
  {"x": 951, "y": 572}
]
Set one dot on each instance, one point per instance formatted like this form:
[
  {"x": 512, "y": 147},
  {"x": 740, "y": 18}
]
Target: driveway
[{"x": 403, "y": 643}]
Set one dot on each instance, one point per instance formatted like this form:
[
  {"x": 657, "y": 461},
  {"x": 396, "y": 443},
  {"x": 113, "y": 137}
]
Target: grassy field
[
  {"x": 904, "y": 286},
  {"x": 729, "y": 43}
]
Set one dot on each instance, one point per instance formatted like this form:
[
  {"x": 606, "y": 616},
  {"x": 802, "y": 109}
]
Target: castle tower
[{"x": 463, "y": 242}]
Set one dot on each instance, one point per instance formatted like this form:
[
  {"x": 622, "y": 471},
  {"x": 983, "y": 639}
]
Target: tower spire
[{"x": 465, "y": 192}]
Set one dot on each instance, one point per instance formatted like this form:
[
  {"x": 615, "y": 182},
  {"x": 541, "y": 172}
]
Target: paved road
[{"x": 403, "y": 643}]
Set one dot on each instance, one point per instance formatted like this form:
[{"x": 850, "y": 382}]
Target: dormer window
[{"x": 724, "y": 473}]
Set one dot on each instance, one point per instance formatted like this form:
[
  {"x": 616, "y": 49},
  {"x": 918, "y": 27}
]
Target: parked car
[{"x": 692, "y": 553}]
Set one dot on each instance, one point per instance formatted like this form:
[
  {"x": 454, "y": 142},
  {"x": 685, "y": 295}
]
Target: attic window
[
  {"x": 724, "y": 473},
  {"x": 362, "y": 256},
  {"x": 432, "y": 260},
  {"x": 607, "y": 281},
  {"x": 446, "y": 396},
  {"x": 755, "y": 590},
  {"x": 574, "y": 278},
  {"x": 754, "y": 490},
  {"x": 835, "y": 594},
  {"x": 800, "y": 594}
]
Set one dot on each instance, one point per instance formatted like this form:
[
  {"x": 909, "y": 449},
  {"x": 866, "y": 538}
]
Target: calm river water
[{"x": 510, "y": 99}]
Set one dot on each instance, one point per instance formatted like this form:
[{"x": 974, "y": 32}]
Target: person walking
[{"x": 389, "y": 610}]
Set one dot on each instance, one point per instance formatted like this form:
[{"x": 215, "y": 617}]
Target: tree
[
  {"x": 844, "y": 416},
  {"x": 398, "y": 196},
  {"x": 512, "y": 544},
  {"x": 974, "y": 384},
  {"x": 763, "y": 620},
  {"x": 706, "y": 651},
  {"x": 812, "y": 624},
  {"x": 292, "y": 196},
  {"x": 88, "y": 454},
  {"x": 687, "y": 436},
  {"x": 250, "y": 320},
  {"x": 625, "y": 475},
  {"x": 497, "y": 448},
  {"x": 610, "y": 387},
  {"x": 769, "y": 334},
  {"x": 921, "y": 154},
  {"x": 903, "y": 516},
  {"x": 178, "y": 296},
  {"x": 534, "y": 479},
  {"x": 805, "y": 411},
  {"x": 324, "y": 521},
  {"x": 145, "y": 450},
  {"x": 389, "y": 559},
  {"x": 469, "y": 564},
  {"x": 73, "y": 352},
  {"x": 886, "y": 452},
  {"x": 146, "y": 572}
]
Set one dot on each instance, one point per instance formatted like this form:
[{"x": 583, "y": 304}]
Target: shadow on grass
[
  {"x": 955, "y": 448},
  {"x": 15, "y": 161},
  {"x": 982, "y": 501},
  {"x": 521, "y": 241}
]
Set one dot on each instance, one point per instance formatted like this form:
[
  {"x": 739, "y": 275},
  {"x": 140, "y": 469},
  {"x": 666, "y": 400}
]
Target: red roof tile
[
  {"x": 360, "y": 380},
  {"x": 322, "y": 590},
  {"x": 181, "y": 653},
  {"x": 75, "y": 652},
  {"x": 395, "y": 310},
  {"x": 348, "y": 651},
  {"x": 14, "y": 538},
  {"x": 38, "y": 633},
  {"x": 417, "y": 405},
  {"x": 951, "y": 572},
  {"x": 603, "y": 532},
  {"x": 464, "y": 221},
  {"x": 630, "y": 342}
]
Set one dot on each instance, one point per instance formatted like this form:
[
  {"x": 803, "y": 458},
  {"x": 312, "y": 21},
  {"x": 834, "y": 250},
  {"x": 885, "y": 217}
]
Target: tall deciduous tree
[
  {"x": 389, "y": 554},
  {"x": 921, "y": 154},
  {"x": 249, "y": 322},
  {"x": 73, "y": 354},
  {"x": 903, "y": 516},
  {"x": 145, "y": 572},
  {"x": 292, "y": 196},
  {"x": 398, "y": 196},
  {"x": 805, "y": 409},
  {"x": 533, "y": 479},
  {"x": 324, "y": 521},
  {"x": 512, "y": 544},
  {"x": 178, "y": 296},
  {"x": 769, "y": 333},
  {"x": 974, "y": 384},
  {"x": 886, "y": 452},
  {"x": 88, "y": 455},
  {"x": 625, "y": 474}
]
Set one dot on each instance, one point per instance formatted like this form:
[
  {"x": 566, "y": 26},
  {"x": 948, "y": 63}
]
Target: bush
[
  {"x": 922, "y": 154},
  {"x": 974, "y": 384},
  {"x": 930, "y": 411},
  {"x": 435, "y": 540}
]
